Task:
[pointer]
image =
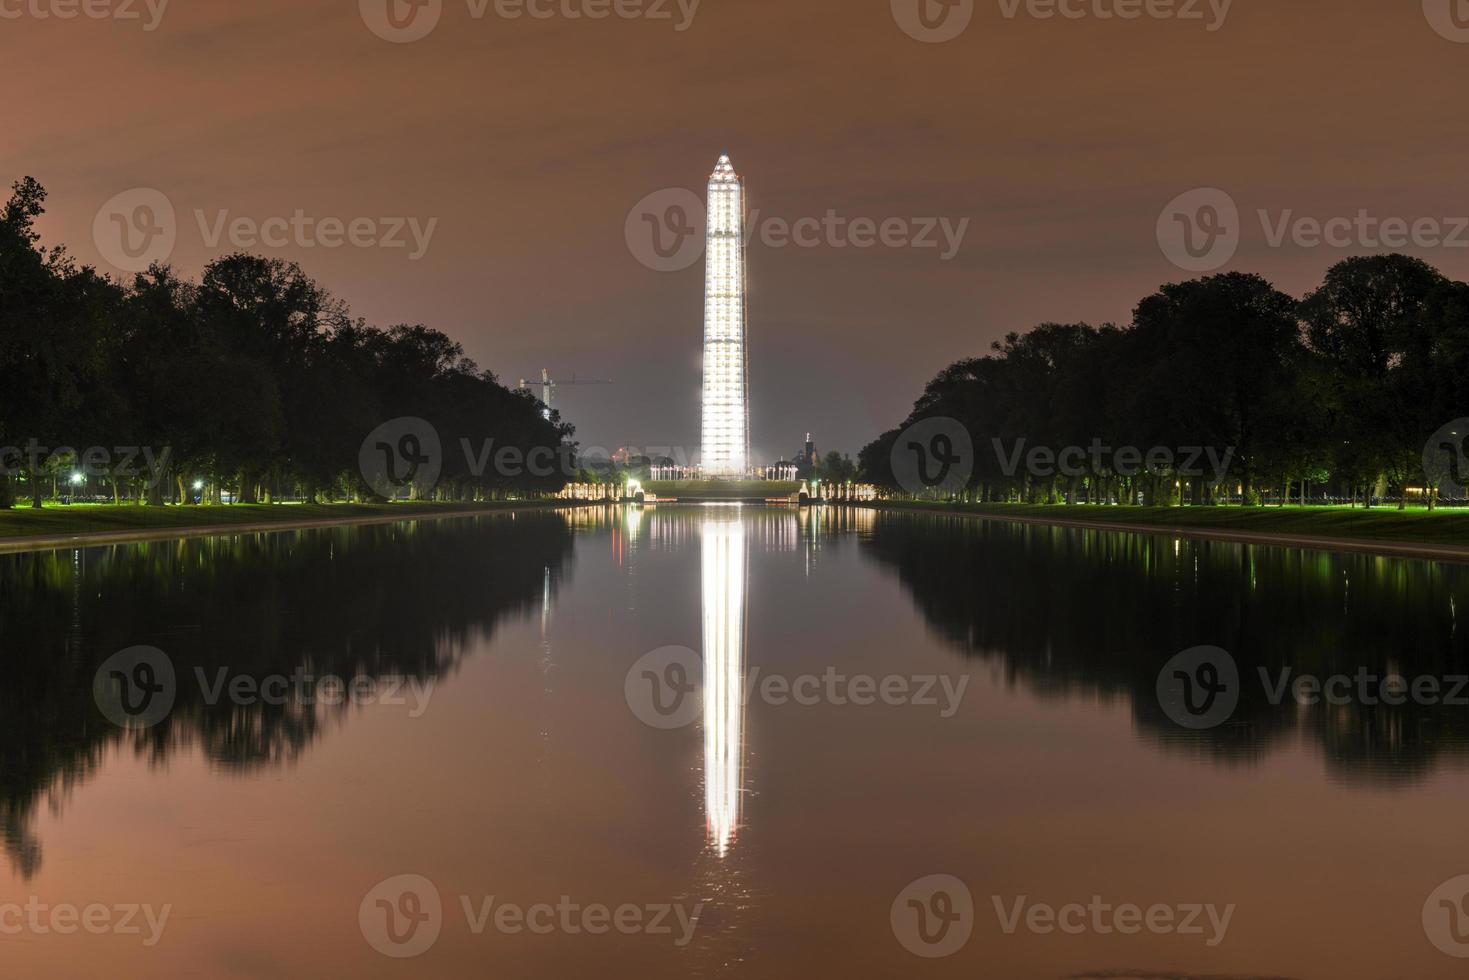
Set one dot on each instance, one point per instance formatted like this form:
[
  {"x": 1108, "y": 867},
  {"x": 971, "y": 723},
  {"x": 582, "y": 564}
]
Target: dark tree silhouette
[
  {"x": 254, "y": 380},
  {"x": 1341, "y": 389}
]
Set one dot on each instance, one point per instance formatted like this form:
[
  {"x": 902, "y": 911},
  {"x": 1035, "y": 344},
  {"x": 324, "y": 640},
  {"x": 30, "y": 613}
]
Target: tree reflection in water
[
  {"x": 1079, "y": 613},
  {"x": 395, "y": 600}
]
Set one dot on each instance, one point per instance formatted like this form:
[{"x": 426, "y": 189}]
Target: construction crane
[{"x": 549, "y": 386}]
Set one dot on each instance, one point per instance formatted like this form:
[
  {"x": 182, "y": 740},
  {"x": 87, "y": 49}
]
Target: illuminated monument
[{"x": 725, "y": 445}]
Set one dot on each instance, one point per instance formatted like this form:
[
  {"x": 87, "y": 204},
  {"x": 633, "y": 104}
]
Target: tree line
[
  {"x": 1332, "y": 396},
  {"x": 253, "y": 382}
]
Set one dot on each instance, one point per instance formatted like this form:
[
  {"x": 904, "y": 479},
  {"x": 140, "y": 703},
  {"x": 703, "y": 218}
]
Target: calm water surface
[{"x": 531, "y": 736}]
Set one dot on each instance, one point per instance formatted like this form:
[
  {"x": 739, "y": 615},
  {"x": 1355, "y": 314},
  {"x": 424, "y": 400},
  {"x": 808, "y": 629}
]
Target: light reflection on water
[{"x": 723, "y": 552}]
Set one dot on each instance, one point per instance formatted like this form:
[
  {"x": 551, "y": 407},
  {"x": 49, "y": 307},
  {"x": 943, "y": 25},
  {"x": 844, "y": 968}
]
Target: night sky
[{"x": 1059, "y": 140}]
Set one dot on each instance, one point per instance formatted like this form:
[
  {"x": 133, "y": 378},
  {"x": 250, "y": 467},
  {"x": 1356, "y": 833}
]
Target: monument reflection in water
[{"x": 725, "y": 579}]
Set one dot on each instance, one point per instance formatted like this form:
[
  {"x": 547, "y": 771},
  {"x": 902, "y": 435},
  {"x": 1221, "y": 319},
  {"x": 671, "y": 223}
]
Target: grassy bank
[
  {"x": 81, "y": 519},
  {"x": 1445, "y": 526}
]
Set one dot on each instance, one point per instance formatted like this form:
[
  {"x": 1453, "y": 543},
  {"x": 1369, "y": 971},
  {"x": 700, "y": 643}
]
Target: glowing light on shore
[{"x": 724, "y": 552}]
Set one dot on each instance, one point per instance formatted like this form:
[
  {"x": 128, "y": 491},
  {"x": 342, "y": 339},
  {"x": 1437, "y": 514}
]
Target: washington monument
[{"x": 725, "y": 444}]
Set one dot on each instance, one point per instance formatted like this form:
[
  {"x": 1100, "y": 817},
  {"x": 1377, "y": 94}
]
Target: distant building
[{"x": 807, "y": 460}]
